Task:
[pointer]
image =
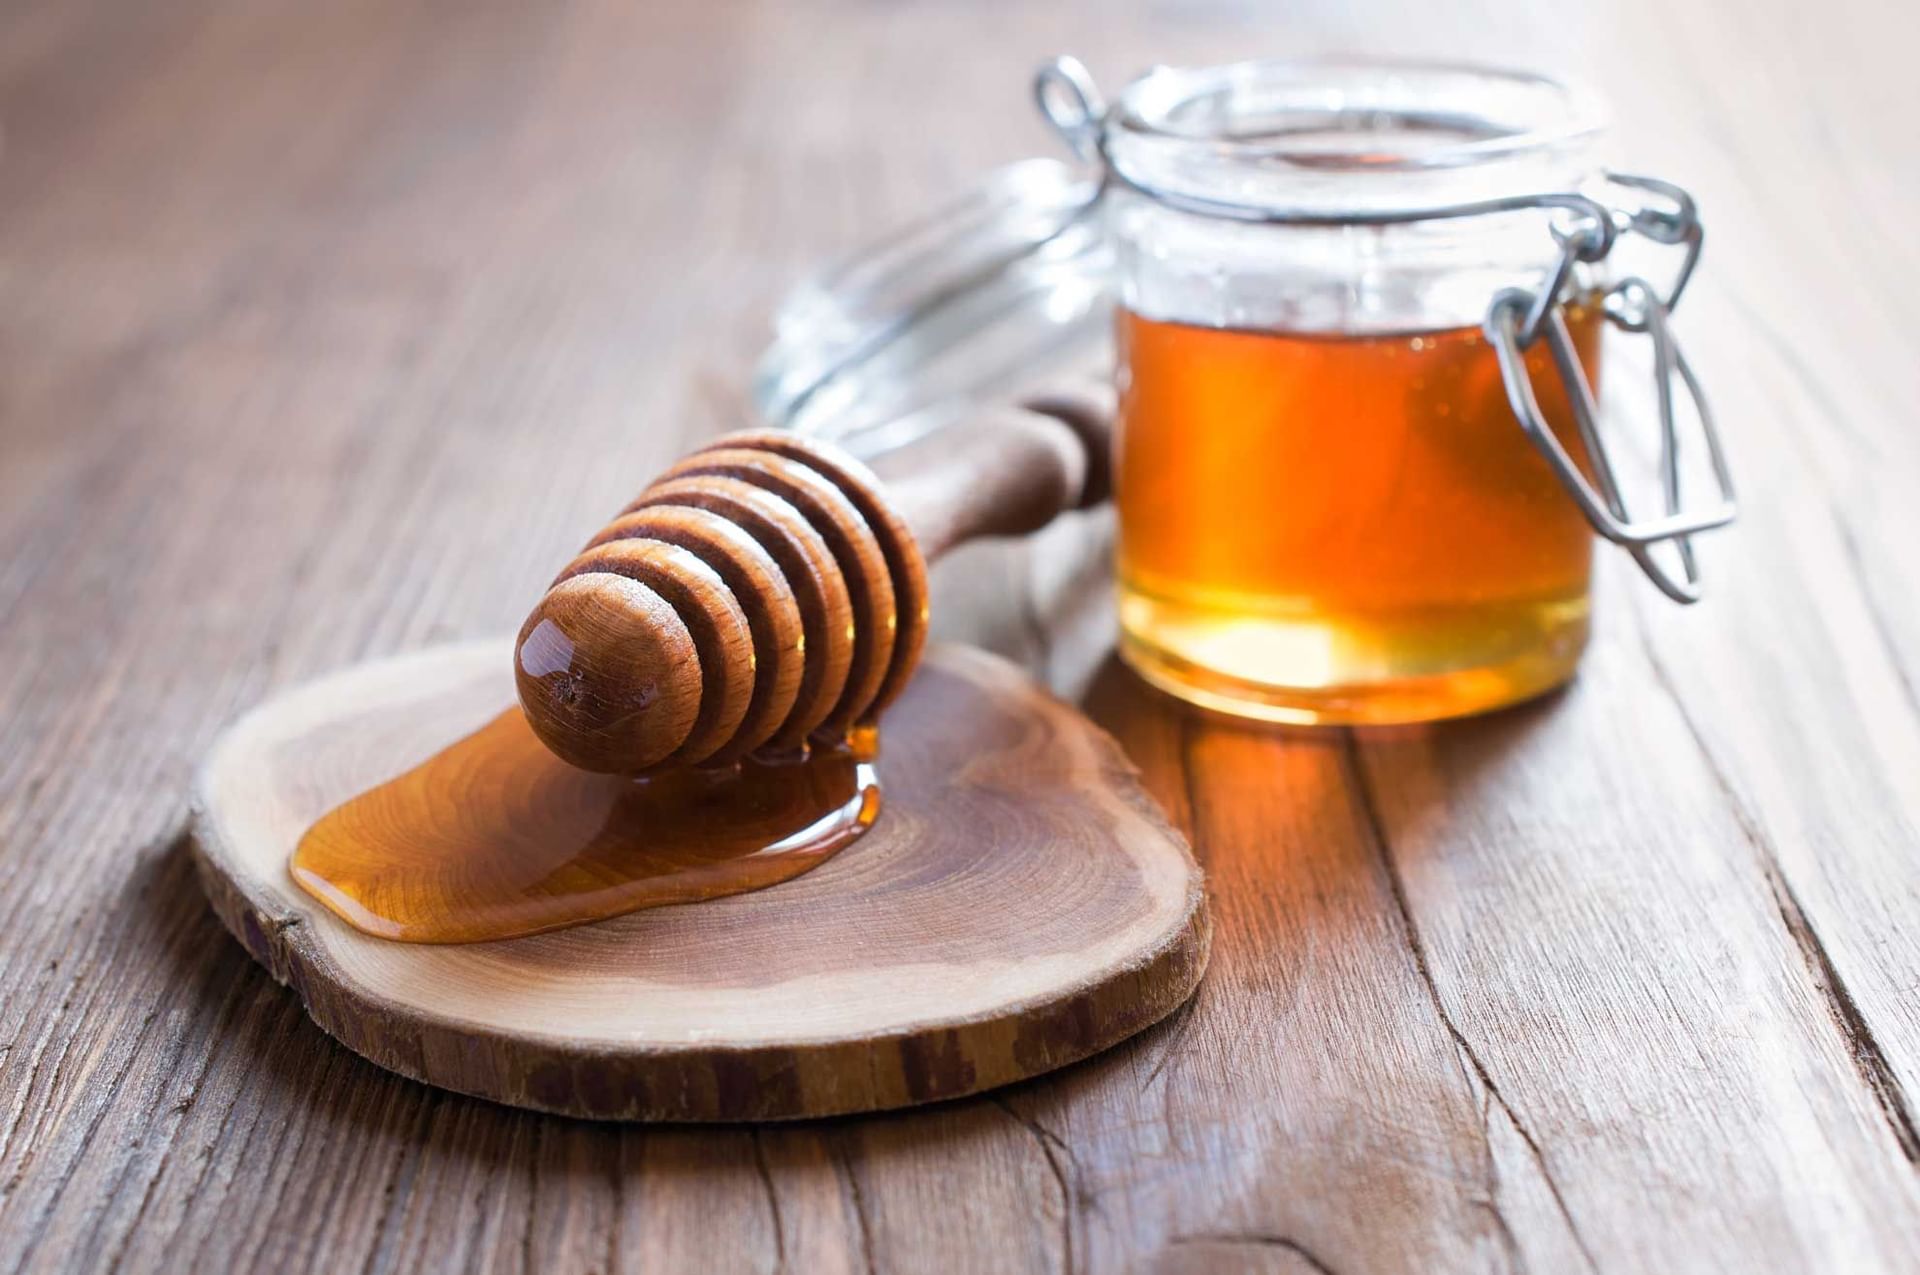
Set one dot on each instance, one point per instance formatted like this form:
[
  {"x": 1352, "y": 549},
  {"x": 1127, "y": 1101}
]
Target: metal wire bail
[
  {"x": 1064, "y": 91},
  {"x": 1516, "y": 318}
]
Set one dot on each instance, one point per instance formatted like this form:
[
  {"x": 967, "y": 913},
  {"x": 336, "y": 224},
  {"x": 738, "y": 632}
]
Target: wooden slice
[{"x": 1020, "y": 905}]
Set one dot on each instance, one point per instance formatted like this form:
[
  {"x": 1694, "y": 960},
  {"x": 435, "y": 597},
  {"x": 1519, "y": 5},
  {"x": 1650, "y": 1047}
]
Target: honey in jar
[{"x": 1350, "y": 528}]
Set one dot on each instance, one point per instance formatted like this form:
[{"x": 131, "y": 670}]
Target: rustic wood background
[{"x": 329, "y": 330}]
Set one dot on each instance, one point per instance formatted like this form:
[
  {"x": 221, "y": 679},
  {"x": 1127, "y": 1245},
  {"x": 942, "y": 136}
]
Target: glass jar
[{"x": 1326, "y": 511}]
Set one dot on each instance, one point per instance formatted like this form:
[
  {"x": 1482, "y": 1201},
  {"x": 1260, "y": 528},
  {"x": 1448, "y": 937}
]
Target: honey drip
[
  {"x": 494, "y": 837},
  {"x": 1344, "y": 528}
]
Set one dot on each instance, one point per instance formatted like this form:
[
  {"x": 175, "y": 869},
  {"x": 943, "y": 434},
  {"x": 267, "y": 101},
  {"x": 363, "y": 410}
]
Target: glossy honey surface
[
  {"x": 494, "y": 837},
  {"x": 1332, "y": 528}
]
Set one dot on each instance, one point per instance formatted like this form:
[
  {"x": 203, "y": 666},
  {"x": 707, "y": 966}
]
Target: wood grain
[
  {"x": 298, "y": 303},
  {"x": 1020, "y": 905}
]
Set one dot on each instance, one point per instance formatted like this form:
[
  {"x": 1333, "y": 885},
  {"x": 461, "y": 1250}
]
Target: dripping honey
[
  {"x": 494, "y": 837},
  {"x": 1344, "y": 528}
]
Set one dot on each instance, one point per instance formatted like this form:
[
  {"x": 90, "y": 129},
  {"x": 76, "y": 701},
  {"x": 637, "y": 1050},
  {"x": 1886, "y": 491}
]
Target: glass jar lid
[{"x": 971, "y": 303}]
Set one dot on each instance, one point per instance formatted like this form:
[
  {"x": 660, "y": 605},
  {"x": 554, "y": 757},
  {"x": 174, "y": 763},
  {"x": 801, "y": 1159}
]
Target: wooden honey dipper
[{"x": 770, "y": 588}]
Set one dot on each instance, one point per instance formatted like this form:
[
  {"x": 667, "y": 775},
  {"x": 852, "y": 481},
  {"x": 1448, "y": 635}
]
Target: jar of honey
[
  {"x": 1337, "y": 284},
  {"x": 1354, "y": 311}
]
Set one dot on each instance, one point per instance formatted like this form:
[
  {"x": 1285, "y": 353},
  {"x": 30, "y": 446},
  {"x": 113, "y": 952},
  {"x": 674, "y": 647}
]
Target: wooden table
[{"x": 327, "y": 331}]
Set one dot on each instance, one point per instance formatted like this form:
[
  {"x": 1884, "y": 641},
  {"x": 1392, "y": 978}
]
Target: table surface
[{"x": 326, "y": 331}]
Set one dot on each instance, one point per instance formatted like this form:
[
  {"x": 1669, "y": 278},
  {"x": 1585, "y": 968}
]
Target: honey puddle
[{"x": 494, "y": 837}]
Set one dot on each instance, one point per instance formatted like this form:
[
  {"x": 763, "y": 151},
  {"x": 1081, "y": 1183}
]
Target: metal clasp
[
  {"x": 1071, "y": 102},
  {"x": 1517, "y": 318}
]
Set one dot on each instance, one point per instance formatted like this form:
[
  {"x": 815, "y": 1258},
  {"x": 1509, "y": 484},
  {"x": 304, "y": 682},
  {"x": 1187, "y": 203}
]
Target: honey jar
[
  {"x": 1358, "y": 338},
  {"x": 1355, "y": 313}
]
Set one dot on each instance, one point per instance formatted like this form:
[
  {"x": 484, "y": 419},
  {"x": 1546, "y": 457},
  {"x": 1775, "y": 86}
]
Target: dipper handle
[{"x": 1008, "y": 473}]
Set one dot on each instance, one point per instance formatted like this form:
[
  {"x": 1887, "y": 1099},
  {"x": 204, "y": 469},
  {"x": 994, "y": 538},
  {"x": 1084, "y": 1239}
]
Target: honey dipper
[{"x": 769, "y": 587}]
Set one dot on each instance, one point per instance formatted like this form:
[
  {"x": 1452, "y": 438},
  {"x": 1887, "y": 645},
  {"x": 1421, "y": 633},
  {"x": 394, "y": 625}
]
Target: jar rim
[{"x": 1339, "y": 115}]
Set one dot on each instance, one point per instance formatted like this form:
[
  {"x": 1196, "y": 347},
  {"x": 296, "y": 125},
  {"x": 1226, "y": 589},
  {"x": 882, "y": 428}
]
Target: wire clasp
[{"x": 1517, "y": 318}]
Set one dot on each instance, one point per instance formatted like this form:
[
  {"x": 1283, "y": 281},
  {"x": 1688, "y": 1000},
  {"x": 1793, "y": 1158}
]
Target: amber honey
[
  {"x": 494, "y": 837},
  {"x": 1344, "y": 528}
]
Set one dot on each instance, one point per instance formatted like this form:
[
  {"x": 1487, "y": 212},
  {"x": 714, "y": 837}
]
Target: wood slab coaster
[{"x": 1021, "y": 904}]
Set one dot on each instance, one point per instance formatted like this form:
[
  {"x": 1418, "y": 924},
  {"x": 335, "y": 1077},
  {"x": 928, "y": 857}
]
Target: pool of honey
[
  {"x": 1344, "y": 528},
  {"x": 494, "y": 837}
]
